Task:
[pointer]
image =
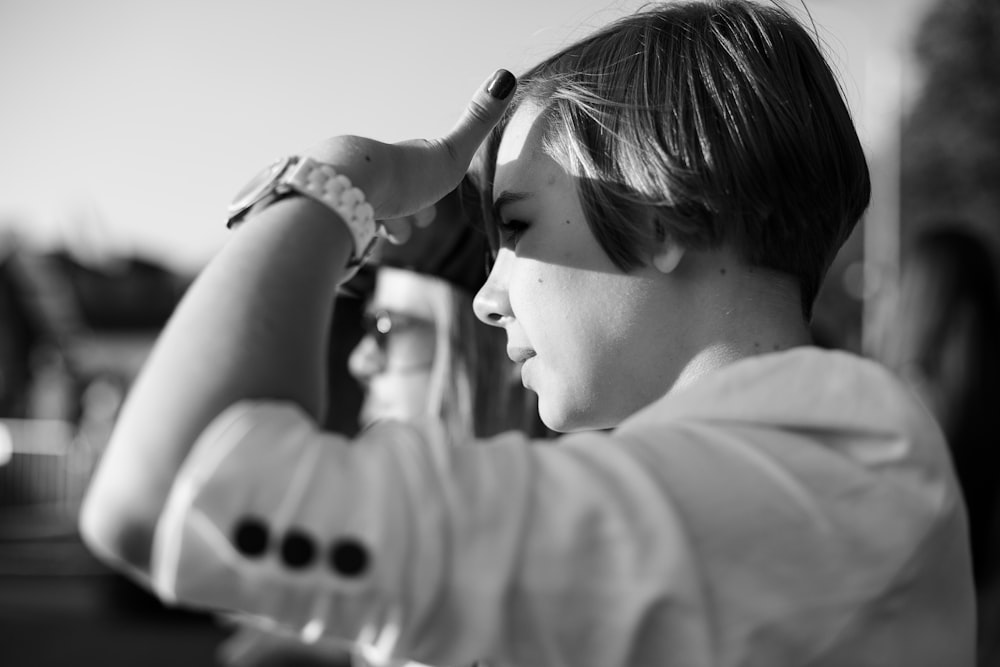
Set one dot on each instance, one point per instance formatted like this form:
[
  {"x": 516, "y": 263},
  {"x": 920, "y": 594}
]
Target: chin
[
  {"x": 385, "y": 409},
  {"x": 563, "y": 418}
]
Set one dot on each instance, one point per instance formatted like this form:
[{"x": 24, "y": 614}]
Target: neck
[{"x": 743, "y": 312}]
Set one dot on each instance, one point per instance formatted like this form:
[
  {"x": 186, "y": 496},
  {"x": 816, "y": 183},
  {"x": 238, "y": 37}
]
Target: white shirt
[{"x": 791, "y": 509}]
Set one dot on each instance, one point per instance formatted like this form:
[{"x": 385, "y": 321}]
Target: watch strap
[{"x": 323, "y": 183}]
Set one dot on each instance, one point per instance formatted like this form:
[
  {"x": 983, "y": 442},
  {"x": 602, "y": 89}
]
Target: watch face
[{"x": 250, "y": 193}]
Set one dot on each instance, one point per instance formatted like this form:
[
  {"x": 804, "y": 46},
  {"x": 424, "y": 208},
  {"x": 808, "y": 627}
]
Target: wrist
[
  {"x": 320, "y": 183},
  {"x": 309, "y": 230}
]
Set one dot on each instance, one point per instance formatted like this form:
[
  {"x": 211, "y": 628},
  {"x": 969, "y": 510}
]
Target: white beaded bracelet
[{"x": 322, "y": 182}]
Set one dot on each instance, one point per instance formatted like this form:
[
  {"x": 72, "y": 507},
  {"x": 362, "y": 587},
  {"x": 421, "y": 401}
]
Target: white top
[{"x": 797, "y": 508}]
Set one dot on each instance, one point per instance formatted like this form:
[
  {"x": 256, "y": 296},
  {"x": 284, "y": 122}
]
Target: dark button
[
  {"x": 250, "y": 537},
  {"x": 348, "y": 557},
  {"x": 297, "y": 549}
]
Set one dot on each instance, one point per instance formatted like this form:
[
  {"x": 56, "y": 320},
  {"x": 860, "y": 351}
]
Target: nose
[
  {"x": 366, "y": 360},
  {"x": 492, "y": 302}
]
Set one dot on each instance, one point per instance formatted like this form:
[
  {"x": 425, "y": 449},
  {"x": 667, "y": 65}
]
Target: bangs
[{"x": 709, "y": 123}]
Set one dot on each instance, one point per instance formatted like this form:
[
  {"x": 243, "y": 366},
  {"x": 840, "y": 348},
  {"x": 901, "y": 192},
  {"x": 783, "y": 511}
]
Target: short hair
[{"x": 710, "y": 122}]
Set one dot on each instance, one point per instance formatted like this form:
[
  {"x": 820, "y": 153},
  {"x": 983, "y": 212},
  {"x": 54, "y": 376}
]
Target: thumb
[
  {"x": 483, "y": 112},
  {"x": 424, "y": 171}
]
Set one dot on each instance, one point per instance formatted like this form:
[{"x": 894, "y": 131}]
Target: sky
[{"x": 127, "y": 125}]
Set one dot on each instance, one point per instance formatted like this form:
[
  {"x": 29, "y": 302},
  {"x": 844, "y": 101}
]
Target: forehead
[
  {"x": 520, "y": 156},
  {"x": 405, "y": 292}
]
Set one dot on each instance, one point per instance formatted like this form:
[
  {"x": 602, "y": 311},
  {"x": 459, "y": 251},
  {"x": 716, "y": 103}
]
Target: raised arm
[{"x": 254, "y": 323}]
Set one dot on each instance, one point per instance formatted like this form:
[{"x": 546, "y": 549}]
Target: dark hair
[{"x": 711, "y": 122}]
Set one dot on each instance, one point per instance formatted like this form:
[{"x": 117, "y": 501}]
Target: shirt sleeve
[
  {"x": 410, "y": 547},
  {"x": 604, "y": 550}
]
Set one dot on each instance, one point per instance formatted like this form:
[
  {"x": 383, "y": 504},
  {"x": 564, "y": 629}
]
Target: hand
[
  {"x": 399, "y": 230},
  {"x": 404, "y": 178}
]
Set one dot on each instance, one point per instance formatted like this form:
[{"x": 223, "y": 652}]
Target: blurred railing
[{"x": 42, "y": 463}]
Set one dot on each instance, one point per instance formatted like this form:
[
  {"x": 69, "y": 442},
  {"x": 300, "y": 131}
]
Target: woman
[
  {"x": 423, "y": 355},
  {"x": 425, "y": 352},
  {"x": 667, "y": 195}
]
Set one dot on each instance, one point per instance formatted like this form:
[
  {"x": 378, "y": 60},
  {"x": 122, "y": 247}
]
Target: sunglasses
[{"x": 408, "y": 339}]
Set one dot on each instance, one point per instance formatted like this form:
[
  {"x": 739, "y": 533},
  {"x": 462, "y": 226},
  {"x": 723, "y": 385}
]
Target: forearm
[{"x": 253, "y": 325}]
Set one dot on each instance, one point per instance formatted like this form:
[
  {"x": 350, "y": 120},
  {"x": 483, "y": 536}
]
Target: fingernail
[{"x": 501, "y": 85}]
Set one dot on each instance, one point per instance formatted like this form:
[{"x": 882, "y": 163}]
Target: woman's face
[
  {"x": 593, "y": 341},
  {"x": 395, "y": 358}
]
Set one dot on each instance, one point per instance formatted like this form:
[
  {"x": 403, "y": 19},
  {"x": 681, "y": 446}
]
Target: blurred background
[{"x": 127, "y": 125}]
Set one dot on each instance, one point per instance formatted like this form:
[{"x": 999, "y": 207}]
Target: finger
[
  {"x": 396, "y": 230},
  {"x": 483, "y": 112},
  {"x": 424, "y": 171},
  {"x": 425, "y": 216}
]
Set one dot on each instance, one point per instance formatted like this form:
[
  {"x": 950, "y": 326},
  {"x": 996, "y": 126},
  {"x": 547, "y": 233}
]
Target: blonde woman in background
[{"x": 424, "y": 354}]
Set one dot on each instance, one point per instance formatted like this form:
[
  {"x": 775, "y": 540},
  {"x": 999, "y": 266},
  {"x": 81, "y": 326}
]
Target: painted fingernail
[{"x": 501, "y": 85}]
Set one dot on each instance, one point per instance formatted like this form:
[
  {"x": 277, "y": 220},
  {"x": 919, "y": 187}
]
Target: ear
[{"x": 668, "y": 256}]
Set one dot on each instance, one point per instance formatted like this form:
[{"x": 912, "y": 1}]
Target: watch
[{"x": 319, "y": 181}]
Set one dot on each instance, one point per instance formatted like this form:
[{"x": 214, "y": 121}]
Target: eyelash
[{"x": 511, "y": 231}]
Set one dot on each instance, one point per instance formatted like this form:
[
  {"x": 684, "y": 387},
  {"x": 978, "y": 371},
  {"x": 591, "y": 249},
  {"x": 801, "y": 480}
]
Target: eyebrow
[{"x": 506, "y": 198}]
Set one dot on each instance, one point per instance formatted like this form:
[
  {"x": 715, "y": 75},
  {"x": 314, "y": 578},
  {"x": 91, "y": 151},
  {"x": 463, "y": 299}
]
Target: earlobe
[{"x": 668, "y": 257}]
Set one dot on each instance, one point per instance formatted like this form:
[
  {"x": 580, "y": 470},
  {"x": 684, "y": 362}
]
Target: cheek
[
  {"x": 540, "y": 295},
  {"x": 578, "y": 314},
  {"x": 555, "y": 305},
  {"x": 400, "y": 396}
]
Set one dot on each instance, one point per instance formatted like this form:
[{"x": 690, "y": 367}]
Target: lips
[{"x": 520, "y": 354}]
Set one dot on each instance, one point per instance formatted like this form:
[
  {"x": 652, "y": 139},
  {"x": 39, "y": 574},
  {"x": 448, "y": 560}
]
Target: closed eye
[{"x": 511, "y": 232}]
